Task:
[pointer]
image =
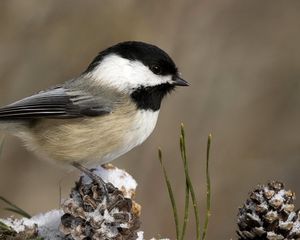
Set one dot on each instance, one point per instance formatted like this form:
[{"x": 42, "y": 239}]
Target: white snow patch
[
  {"x": 118, "y": 177},
  {"x": 48, "y": 224},
  {"x": 140, "y": 235},
  {"x": 274, "y": 236},
  {"x": 278, "y": 198},
  {"x": 296, "y": 227}
]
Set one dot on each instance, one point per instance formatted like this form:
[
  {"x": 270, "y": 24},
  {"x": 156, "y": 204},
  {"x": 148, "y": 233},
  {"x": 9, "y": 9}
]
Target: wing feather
[{"x": 56, "y": 103}]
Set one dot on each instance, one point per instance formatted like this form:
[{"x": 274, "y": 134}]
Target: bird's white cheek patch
[{"x": 125, "y": 75}]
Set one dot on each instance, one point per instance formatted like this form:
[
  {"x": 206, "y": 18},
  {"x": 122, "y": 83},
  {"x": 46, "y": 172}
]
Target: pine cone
[
  {"x": 269, "y": 214},
  {"x": 88, "y": 214}
]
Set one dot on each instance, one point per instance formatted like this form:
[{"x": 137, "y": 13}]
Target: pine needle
[
  {"x": 187, "y": 189},
  {"x": 190, "y": 185},
  {"x": 187, "y": 198},
  {"x": 1, "y": 144},
  {"x": 6, "y": 230},
  {"x": 14, "y": 208},
  {"x": 208, "y": 188},
  {"x": 171, "y": 195}
]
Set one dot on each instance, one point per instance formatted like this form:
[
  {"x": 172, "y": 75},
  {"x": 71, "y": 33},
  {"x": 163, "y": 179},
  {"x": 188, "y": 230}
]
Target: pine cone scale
[{"x": 269, "y": 214}]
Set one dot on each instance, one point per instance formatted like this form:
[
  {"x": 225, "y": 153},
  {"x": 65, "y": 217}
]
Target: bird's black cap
[{"x": 155, "y": 58}]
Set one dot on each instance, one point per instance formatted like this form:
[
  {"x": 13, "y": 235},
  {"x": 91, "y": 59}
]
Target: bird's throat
[{"x": 149, "y": 98}]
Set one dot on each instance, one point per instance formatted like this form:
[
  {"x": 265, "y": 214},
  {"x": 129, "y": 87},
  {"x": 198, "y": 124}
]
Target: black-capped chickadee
[{"x": 109, "y": 109}]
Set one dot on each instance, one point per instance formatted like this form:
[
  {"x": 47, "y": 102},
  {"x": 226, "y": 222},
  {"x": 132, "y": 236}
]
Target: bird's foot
[{"x": 93, "y": 176}]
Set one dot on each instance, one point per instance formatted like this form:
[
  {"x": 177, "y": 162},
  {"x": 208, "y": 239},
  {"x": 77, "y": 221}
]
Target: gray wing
[{"x": 57, "y": 103}]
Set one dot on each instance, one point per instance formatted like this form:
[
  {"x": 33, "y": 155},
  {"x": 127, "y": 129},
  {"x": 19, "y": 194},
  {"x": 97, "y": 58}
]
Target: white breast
[{"x": 142, "y": 126}]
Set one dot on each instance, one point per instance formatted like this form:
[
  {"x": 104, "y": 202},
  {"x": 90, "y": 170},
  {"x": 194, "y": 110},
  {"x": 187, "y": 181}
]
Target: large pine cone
[
  {"x": 89, "y": 214},
  {"x": 269, "y": 214}
]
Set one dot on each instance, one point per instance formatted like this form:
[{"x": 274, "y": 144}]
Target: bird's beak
[{"x": 178, "y": 81}]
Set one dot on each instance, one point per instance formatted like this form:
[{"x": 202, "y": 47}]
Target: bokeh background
[{"x": 242, "y": 59}]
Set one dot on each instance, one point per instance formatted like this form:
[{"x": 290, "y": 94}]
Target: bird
[{"x": 109, "y": 109}]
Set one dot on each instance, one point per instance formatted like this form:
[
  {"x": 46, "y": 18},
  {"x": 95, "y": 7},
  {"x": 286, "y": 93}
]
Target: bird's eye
[{"x": 155, "y": 69}]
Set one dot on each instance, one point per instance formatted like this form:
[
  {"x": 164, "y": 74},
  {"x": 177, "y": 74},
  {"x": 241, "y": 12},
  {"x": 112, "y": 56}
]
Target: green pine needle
[
  {"x": 208, "y": 188},
  {"x": 186, "y": 210},
  {"x": 14, "y": 208},
  {"x": 1, "y": 144},
  {"x": 6, "y": 230},
  {"x": 38, "y": 238},
  {"x": 189, "y": 189},
  {"x": 189, "y": 182},
  {"x": 171, "y": 195}
]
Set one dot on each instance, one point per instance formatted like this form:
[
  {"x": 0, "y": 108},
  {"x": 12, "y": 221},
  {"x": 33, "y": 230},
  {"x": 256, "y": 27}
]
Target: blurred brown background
[{"x": 242, "y": 59}]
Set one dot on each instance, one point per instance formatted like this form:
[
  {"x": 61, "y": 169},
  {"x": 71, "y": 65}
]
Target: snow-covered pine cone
[
  {"x": 268, "y": 214},
  {"x": 88, "y": 214}
]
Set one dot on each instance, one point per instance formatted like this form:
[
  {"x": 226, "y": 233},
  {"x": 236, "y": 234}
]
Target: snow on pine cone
[
  {"x": 269, "y": 214},
  {"x": 89, "y": 215}
]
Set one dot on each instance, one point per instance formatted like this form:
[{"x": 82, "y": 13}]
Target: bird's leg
[{"x": 93, "y": 176}]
